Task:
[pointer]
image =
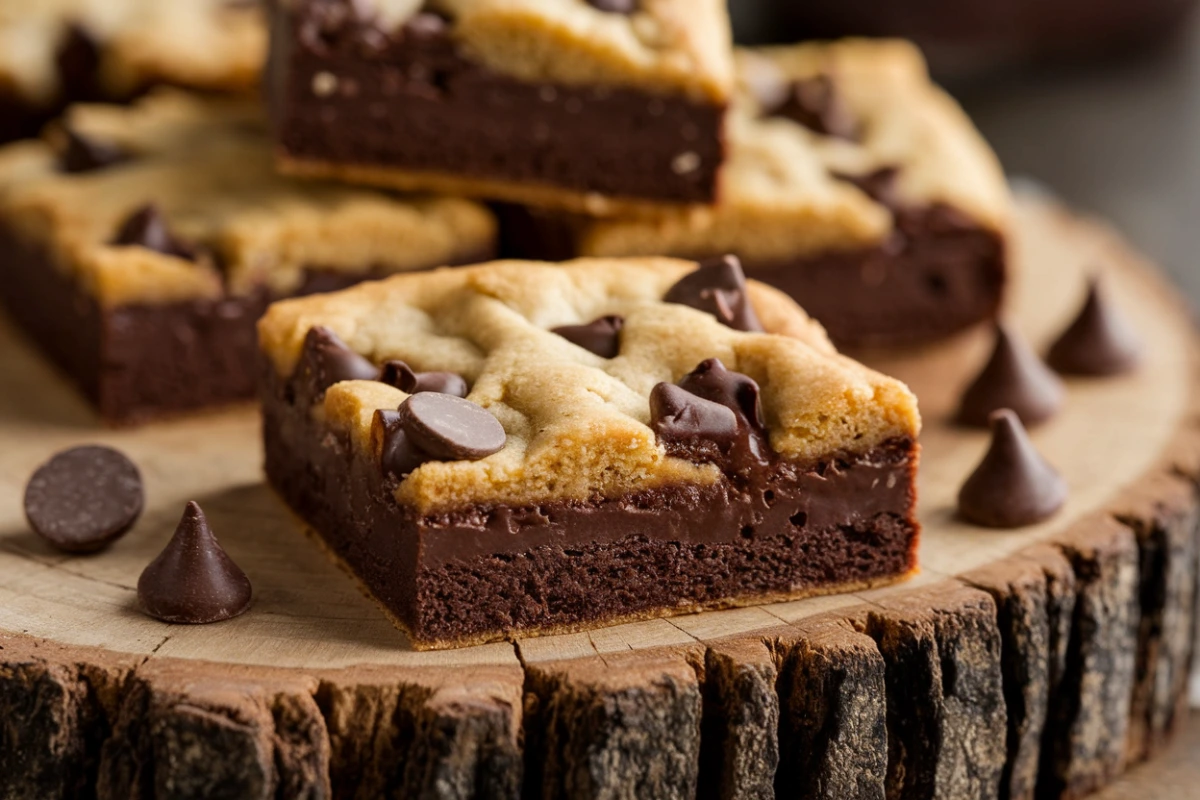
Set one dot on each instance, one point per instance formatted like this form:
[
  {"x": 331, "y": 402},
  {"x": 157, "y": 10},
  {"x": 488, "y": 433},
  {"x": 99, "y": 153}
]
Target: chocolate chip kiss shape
[
  {"x": 718, "y": 287},
  {"x": 325, "y": 360},
  {"x": 147, "y": 227},
  {"x": 1013, "y": 485},
  {"x": 1013, "y": 378},
  {"x": 690, "y": 425},
  {"x": 450, "y": 428},
  {"x": 401, "y": 375},
  {"x": 193, "y": 580},
  {"x": 1099, "y": 342},
  {"x": 600, "y": 336}
]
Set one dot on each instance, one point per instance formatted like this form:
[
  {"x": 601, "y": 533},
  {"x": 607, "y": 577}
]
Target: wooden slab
[{"x": 1038, "y": 662}]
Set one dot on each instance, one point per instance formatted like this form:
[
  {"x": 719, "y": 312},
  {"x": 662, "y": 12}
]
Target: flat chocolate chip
[
  {"x": 398, "y": 456},
  {"x": 816, "y": 104},
  {"x": 397, "y": 373},
  {"x": 718, "y": 286},
  {"x": 684, "y": 422},
  {"x": 326, "y": 360},
  {"x": 1013, "y": 485},
  {"x": 737, "y": 392},
  {"x": 451, "y": 428},
  {"x": 1013, "y": 378},
  {"x": 600, "y": 336},
  {"x": 146, "y": 227},
  {"x": 84, "y": 498},
  {"x": 83, "y": 153},
  {"x": 1098, "y": 342},
  {"x": 193, "y": 580},
  {"x": 614, "y": 6}
]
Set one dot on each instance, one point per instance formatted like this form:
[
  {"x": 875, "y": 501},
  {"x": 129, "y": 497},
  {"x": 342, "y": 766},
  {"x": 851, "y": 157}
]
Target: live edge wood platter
[{"x": 1040, "y": 662}]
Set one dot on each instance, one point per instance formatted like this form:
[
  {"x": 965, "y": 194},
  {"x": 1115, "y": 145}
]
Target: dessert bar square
[
  {"x": 139, "y": 245},
  {"x": 577, "y": 103},
  {"x": 520, "y": 448},
  {"x": 853, "y": 183},
  {"x": 56, "y": 52}
]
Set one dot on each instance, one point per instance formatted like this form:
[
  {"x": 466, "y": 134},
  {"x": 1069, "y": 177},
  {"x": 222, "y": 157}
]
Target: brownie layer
[
  {"x": 937, "y": 274},
  {"x": 136, "y": 362},
  {"x": 489, "y": 572},
  {"x": 409, "y": 101}
]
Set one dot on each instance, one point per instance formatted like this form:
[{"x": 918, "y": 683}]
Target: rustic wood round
[{"x": 1039, "y": 660}]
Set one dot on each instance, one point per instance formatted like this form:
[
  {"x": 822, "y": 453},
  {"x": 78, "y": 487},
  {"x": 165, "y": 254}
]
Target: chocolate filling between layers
[
  {"x": 346, "y": 93},
  {"x": 139, "y": 361},
  {"x": 494, "y": 570},
  {"x": 936, "y": 275}
]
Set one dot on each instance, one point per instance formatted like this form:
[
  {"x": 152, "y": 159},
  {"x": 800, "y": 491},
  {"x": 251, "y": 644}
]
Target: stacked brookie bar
[
  {"x": 638, "y": 438},
  {"x": 56, "y": 52},
  {"x": 139, "y": 245}
]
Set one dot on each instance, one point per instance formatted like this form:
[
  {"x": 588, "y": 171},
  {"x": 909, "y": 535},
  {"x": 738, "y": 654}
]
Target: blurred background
[{"x": 1099, "y": 100}]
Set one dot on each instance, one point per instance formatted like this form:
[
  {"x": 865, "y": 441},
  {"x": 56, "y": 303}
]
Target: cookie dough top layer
[
  {"x": 206, "y": 164},
  {"x": 662, "y": 46},
  {"x": 578, "y": 424},
  {"x": 780, "y": 197},
  {"x": 204, "y": 44}
]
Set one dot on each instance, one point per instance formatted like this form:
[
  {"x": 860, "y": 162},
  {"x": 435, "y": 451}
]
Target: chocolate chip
[
  {"x": 718, "y": 286},
  {"x": 614, "y": 6},
  {"x": 1014, "y": 378},
  {"x": 689, "y": 425},
  {"x": 146, "y": 227},
  {"x": 600, "y": 336},
  {"x": 816, "y": 104},
  {"x": 879, "y": 185},
  {"x": 83, "y": 153},
  {"x": 426, "y": 25},
  {"x": 737, "y": 392},
  {"x": 326, "y": 360},
  {"x": 1013, "y": 485},
  {"x": 398, "y": 374},
  {"x": 1098, "y": 342},
  {"x": 398, "y": 456},
  {"x": 451, "y": 428},
  {"x": 193, "y": 580},
  {"x": 84, "y": 498}
]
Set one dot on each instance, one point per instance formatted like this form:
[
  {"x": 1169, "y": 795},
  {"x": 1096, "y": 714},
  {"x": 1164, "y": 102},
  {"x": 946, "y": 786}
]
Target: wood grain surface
[{"x": 1039, "y": 662}]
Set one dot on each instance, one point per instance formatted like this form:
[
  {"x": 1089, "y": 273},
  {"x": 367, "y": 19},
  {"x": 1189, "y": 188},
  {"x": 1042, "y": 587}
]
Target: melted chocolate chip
[
  {"x": 740, "y": 393},
  {"x": 600, "y": 336},
  {"x": 718, "y": 286},
  {"x": 1098, "y": 342},
  {"x": 398, "y": 374},
  {"x": 84, "y": 498},
  {"x": 879, "y": 185},
  {"x": 816, "y": 104},
  {"x": 1013, "y": 378},
  {"x": 398, "y": 456},
  {"x": 691, "y": 426},
  {"x": 450, "y": 428},
  {"x": 193, "y": 580},
  {"x": 1013, "y": 485},
  {"x": 614, "y": 6},
  {"x": 83, "y": 154},
  {"x": 146, "y": 227},
  {"x": 326, "y": 360}
]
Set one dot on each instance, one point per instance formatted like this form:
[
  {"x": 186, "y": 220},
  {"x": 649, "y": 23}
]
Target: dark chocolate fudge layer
[
  {"x": 352, "y": 98},
  {"x": 468, "y": 576}
]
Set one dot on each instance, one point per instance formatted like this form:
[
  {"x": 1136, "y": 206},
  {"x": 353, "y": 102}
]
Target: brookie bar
[
  {"x": 139, "y": 245},
  {"x": 638, "y": 438},
  {"x": 853, "y": 184},
  {"x": 582, "y": 104}
]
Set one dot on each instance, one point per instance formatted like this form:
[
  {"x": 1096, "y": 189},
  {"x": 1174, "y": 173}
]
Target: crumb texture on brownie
[
  {"x": 781, "y": 194},
  {"x": 203, "y": 44},
  {"x": 678, "y": 46},
  {"x": 578, "y": 424},
  {"x": 206, "y": 165}
]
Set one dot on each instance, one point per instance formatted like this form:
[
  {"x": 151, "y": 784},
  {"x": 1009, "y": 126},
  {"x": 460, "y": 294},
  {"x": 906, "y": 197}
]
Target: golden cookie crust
[{"x": 578, "y": 424}]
